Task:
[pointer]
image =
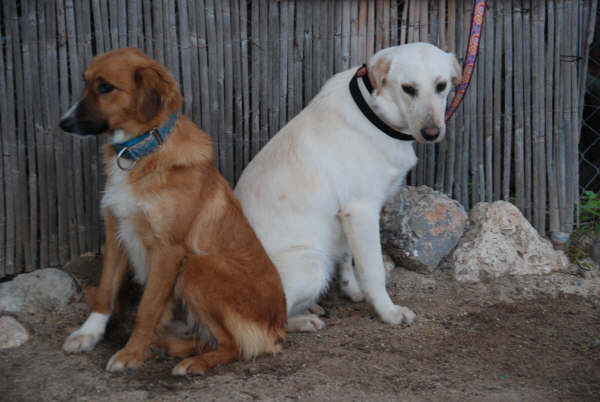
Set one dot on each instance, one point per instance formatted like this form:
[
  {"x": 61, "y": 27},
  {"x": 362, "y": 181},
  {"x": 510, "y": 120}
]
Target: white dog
[{"x": 313, "y": 194}]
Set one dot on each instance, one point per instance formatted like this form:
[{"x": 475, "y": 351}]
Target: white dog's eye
[
  {"x": 440, "y": 87},
  {"x": 409, "y": 89}
]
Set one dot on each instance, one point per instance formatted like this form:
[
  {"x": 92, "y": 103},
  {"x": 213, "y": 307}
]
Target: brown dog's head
[{"x": 124, "y": 89}]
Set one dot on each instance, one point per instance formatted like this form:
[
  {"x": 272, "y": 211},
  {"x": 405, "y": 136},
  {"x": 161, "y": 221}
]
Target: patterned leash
[{"x": 470, "y": 58}]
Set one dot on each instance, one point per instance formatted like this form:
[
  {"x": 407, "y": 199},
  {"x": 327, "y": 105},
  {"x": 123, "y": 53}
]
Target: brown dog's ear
[
  {"x": 156, "y": 92},
  {"x": 378, "y": 73},
  {"x": 456, "y": 75}
]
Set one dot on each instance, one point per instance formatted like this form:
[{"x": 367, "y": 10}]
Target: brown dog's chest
[{"x": 130, "y": 212}]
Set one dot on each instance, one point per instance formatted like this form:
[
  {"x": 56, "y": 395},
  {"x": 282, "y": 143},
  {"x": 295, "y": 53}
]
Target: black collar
[{"x": 367, "y": 111}]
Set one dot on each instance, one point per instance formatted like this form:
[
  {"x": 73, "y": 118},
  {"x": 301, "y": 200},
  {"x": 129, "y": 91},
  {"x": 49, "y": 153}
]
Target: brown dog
[{"x": 172, "y": 217}]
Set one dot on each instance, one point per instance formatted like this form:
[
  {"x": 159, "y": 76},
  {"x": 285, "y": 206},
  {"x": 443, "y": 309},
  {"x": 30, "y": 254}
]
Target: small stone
[{"x": 12, "y": 333}]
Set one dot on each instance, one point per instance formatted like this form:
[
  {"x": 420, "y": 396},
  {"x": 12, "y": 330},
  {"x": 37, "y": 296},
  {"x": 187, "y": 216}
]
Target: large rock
[
  {"x": 420, "y": 226},
  {"x": 500, "y": 241},
  {"x": 12, "y": 333},
  {"x": 43, "y": 290}
]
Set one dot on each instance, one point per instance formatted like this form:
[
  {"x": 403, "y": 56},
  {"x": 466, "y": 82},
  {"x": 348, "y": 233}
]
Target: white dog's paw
[
  {"x": 317, "y": 310},
  {"x": 304, "y": 323},
  {"x": 397, "y": 315},
  {"x": 351, "y": 290},
  {"x": 80, "y": 341}
]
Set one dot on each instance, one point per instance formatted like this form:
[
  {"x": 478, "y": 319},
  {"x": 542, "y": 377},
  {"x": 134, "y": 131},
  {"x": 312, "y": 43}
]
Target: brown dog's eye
[
  {"x": 104, "y": 87},
  {"x": 409, "y": 90},
  {"x": 440, "y": 87}
]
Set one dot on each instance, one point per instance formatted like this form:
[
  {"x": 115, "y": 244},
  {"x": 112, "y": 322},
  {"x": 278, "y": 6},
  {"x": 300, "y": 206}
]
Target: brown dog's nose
[
  {"x": 68, "y": 124},
  {"x": 430, "y": 133}
]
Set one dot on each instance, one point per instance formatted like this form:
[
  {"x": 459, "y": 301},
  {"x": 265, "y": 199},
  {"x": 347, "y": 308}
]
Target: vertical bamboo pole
[
  {"x": 245, "y": 62},
  {"x": 559, "y": 106},
  {"x": 528, "y": 47},
  {"x": 551, "y": 88},
  {"x": 238, "y": 101},
  {"x": 451, "y": 128},
  {"x": 185, "y": 53},
  {"x": 227, "y": 147},
  {"x": 489, "y": 27},
  {"x": 521, "y": 86},
  {"x": 538, "y": 116},
  {"x": 443, "y": 147},
  {"x": 508, "y": 100}
]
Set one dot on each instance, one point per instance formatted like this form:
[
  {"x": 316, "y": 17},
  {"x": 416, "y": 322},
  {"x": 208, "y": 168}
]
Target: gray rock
[
  {"x": 43, "y": 290},
  {"x": 500, "y": 242},
  {"x": 420, "y": 226},
  {"x": 12, "y": 333}
]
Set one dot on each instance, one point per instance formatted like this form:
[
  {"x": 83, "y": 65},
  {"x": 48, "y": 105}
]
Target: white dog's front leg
[{"x": 360, "y": 221}]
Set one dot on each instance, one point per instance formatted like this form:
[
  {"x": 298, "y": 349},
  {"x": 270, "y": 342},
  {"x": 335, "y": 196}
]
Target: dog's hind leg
[
  {"x": 243, "y": 317},
  {"x": 305, "y": 274},
  {"x": 178, "y": 347},
  {"x": 348, "y": 283},
  {"x": 304, "y": 323},
  {"x": 226, "y": 352}
]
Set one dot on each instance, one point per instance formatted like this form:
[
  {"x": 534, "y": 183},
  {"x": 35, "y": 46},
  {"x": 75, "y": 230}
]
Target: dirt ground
[{"x": 526, "y": 339}]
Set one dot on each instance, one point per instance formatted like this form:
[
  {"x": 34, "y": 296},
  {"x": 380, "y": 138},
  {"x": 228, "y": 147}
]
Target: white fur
[
  {"x": 313, "y": 194},
  {"x": 86, "y": 337},
  {"x": 121, "y": 202},
  {"x": 70, "y": 111}
]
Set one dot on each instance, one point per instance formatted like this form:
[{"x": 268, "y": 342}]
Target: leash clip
[{"x": 120, "y": 155}]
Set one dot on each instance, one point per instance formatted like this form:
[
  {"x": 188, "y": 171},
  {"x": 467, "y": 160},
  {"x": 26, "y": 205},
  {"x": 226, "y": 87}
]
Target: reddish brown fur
[
  {"x": 200, "y": 247},
  {"x": 378, "y": 73}
]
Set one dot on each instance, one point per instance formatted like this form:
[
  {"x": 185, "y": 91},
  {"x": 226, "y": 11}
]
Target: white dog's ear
[
  {"x": 378, "y": 73},
  {"x": 456, "y": 70}
]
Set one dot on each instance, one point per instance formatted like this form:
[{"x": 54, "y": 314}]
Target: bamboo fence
[{"x": 246, "y": 67}]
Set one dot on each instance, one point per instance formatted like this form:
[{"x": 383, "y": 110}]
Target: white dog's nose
[{"x": 430, "y": 133}]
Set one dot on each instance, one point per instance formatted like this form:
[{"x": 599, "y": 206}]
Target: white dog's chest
[{"x": 119, "y": 199}]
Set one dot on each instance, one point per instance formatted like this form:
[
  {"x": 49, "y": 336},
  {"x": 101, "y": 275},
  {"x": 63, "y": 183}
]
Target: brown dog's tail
[{"x": 252, "y": 338}]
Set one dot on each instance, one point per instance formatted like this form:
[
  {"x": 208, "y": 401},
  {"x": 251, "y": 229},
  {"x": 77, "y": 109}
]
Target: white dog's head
[{"x": 411, "y": 84}]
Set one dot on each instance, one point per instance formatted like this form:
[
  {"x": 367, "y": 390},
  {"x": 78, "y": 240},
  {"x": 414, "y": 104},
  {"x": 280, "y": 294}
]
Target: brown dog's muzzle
[{"x": 82, "y": 120}]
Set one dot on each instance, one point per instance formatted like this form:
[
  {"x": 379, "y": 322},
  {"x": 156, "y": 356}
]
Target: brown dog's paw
[
  {"x": 125, "y": 359},
  {"x": 192, "y": 366}
]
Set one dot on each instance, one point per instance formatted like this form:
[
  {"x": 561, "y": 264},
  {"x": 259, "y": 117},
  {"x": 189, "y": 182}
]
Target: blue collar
[{"x": 140, "y": 146}]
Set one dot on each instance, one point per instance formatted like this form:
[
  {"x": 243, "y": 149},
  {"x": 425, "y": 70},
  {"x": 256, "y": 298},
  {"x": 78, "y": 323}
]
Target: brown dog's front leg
[
  {"x": 114, "y": 268},
  {"x": 164, "y": 265}
]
